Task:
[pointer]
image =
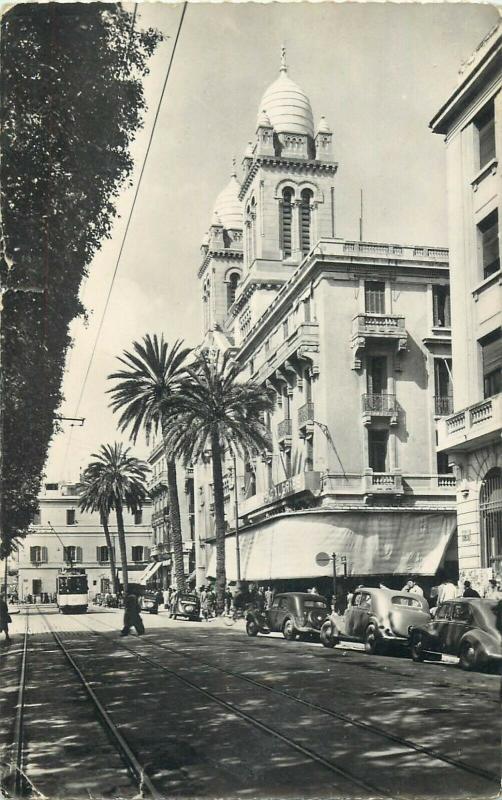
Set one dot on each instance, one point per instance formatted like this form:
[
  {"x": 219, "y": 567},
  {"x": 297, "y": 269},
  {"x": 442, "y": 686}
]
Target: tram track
[
  {"x": 358, "y": 723},
  {"x": 133, "y": 766}
]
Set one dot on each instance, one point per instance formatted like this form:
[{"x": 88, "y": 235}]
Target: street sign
[{"x": 322, "y": 559}]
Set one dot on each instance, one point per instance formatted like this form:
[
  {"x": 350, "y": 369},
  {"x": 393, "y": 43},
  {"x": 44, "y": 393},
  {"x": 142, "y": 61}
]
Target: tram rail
[{"x": 383, "y": 733}]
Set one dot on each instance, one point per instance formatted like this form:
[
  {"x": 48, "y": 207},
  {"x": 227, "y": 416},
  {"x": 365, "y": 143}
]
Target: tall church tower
[{"x": 287, "y": 193}]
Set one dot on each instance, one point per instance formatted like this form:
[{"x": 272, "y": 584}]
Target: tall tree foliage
[
  {"x": 218, "y": 412},
  {"x": 71, "y": 102},
  {"x": 145, "y": 394},
  {"x": 94, "y": 496},
  {"x": 120, "y": 479}
]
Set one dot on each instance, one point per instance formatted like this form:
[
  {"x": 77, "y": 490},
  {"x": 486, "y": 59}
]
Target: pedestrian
[
  {"x": 269, "y": 597},
  {"x": 493, "y": 591},
  {"x": 203, "y": 603},
  {"x": 132, "y": 616},
  {"x": 211, "y": 602},
  {"x": 5, "y": 618},
  {"x": 165, "y": 596},
  {"x": 228, "y": 600},
  {"x": 469, "y": 591},
  {"x": 446, "y": 590},
  {"x": 413, "y": 588}
]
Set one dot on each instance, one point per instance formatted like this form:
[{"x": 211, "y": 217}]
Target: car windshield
[
  {"x": 314, "y": 604},
  {"x": 409, "y": 602},
  {"x": 188, "y": 598}
]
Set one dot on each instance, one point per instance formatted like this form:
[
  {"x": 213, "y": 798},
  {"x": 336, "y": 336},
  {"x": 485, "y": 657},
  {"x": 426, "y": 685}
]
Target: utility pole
[
  {"x": 361, "y": 217},
  {"x": 236, "y": 506}
]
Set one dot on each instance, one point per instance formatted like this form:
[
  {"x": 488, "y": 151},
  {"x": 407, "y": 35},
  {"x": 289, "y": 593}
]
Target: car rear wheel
[
  {"x": 417, "y": 648},
  {"x": 326, "y": 635},
  {"x": 371, "y": 643},
  {"x": 468, "y": 656},
  {"x": 288, "y": 630},
  {"x": 252, "y": 628}
]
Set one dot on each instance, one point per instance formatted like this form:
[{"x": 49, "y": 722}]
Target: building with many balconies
[
  {"x": 61, "y": 535},
  {"x": 471, "y": 122},
  {"x": 354, "y": 339}
]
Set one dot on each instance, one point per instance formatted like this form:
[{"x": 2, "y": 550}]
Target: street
[{"x": 201, "y": 710}]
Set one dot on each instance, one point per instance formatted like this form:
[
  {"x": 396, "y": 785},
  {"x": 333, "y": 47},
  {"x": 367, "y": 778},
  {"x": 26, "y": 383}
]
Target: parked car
[
  {"x": 465, "y": 627},
  {"x": 186, "y": 605},
  {"x": 292, "y": 613},
  {"x": 378, "y": 618},
  {"x": 150, "y": 602}
]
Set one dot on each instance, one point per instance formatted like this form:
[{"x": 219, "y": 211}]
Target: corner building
[
  {"x": 471, "y": 122},
  {"x": 354, "y": 338}
]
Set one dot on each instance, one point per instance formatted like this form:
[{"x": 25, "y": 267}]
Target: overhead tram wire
[{"x": 117, "y": 263}]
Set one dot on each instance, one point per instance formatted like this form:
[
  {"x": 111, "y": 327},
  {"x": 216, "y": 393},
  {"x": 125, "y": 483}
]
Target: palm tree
[
  {"x": 94, "y": 497},
  {"x": 121, "y": 480},
  {"x": 145, "y": 395},
  {"x": 217, "y": 412}
]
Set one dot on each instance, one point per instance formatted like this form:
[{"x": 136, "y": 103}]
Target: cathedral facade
[{"x": 354, "y": 339}]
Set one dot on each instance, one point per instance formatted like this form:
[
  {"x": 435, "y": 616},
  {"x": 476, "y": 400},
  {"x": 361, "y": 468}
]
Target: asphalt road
[{"x": 207, "y": 712}]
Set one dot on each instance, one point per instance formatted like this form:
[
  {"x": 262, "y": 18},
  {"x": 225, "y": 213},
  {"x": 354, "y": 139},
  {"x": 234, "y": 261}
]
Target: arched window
[
  {"x": 490, "y": 508},
  {"x": 305, "y": 221},
  {"x": 233, "y": 282},
  {"x": 285, "y": 222}
]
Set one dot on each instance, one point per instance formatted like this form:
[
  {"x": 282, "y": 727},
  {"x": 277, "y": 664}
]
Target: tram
[{"x": 72, "y": 591}]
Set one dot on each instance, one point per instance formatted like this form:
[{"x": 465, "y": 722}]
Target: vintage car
[
  {"x": 378, "y": 618},
  {"x": 150, "y": 602},
  {"x": 465, "y": 627},
  {"x": 186, "y": 605},
  {"x": 293, "y": 613}
]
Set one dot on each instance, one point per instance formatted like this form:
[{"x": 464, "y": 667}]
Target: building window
[
  {"x": 443, "y": 467},
  {"x": 249, "y": 480},
  {"x": 485, "y": 126},
  {"x": 286, "y": 222},
  {"x": 70, "y": 516},
  {"x": 309, "y": 455},
  {"x": 491, "y": 356},
  {"x": 102, "y": 554},
  {"x": 305, "y": 221},
  {"x": 488, "y": 237},
  {"x": 138, "y": 517},
  {"x": 72, "y": 554},
  {"x": 377, "y": 449},
  {"x": 490, "y": 507},
  {"x": 232, "y": 284},
  {"x": 137, "y": 553},
  {"x": 307, "y": 310},
  {"x": 443, "y": 388},
  {"x": 286, "y": 462},
  {"x": 38, "y": 555},
  {"x": 285, "y": 328},
  {"x": 37, "y": 517},
  {"x": 374, "y": 297},
  {"x": 377, "y": 375},
  {"x": 441, "y": 306}
]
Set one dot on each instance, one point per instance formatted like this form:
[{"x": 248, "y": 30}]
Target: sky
[{"x": 377, "y": 72}]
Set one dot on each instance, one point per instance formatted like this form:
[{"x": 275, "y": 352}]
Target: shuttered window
[
  {"x": 489, "y": 244},
  {"x": 38, "y": 555},
  {"x": 305, "y": 221},
  {"x": 137, "y": 553},
  {"x": 485, "y": 125},
  {"x": 441, "y": 306},
  {"x": 377, "y": 449},
  {"x": 491, "y": 351},
  {"x": 374, "y": 297},
  {"x": 102, "y": 554},
  {"x": 285, "y": 222}
]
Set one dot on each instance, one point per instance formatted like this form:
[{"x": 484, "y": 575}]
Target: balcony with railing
[
  {"x": 300, "y": 343},
  {"x": 383, "y": 327},
  {"x": 285, "y": 432},
  {"x": 160, "y": 516},
  {"x": 473, "y": 427},
  {"x": 158, "y": 482},
  {"x": 443, "y": 406},
  {"x": 383, "y": 482},
  {"x": 306, "y": 420},
  {"x": 379, "y": 405}
]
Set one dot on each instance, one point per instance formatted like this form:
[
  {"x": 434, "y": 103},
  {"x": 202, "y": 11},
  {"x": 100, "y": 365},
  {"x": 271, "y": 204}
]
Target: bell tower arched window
[
  {"x": 233, "y": 282},
  {"x": 305, "y": 221},
  {"x": 286, "y": 222}
]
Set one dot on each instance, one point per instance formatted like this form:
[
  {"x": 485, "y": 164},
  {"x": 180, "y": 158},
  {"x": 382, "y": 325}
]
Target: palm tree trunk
[
  {"x": 122, "y": 545},
  {"x": 175, "y": 520},
  {"x": 108, "y": 539},
  {"x": 219, "y": 520}
]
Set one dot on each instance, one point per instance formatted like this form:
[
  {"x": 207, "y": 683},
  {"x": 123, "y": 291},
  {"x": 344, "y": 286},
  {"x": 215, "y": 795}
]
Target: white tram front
[{"x": 72, "y": 591}]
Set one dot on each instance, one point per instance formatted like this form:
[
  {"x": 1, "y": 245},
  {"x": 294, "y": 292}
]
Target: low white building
[{"x": 62, "y": 534}]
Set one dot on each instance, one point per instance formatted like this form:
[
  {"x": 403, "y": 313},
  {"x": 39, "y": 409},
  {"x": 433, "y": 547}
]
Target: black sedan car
[
  {"x": 465, "y": 627},
  {"x": 186, "y": 605},
  {"x": 293, "y": 613}
]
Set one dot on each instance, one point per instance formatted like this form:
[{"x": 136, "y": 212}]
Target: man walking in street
[
  {"x": 469, "y": 591},
  {"x": 4, "y": 618},
  {"x": 132, "y": 617}
]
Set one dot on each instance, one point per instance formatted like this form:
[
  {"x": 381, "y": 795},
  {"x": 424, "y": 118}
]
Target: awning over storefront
[
  {"x": 149, "y": 572},
  {"x": 376, "y": 543}
]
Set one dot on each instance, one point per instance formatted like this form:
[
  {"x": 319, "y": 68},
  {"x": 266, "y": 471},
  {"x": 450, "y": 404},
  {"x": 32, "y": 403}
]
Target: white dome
[
  {"x": 228, "y": 207},
  {"x": 287, "y": 106}
]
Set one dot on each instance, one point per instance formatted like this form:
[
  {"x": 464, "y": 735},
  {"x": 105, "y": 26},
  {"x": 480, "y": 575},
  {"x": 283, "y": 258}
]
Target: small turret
[{"x": 323, "y": 141}]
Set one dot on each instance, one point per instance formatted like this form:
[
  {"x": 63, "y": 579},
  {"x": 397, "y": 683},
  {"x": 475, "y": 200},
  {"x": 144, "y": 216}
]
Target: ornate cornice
[
  {"x": 250, "y": 289},
  {"x": 232, "y": 254},
  {"x": 291, "y": 164}
]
